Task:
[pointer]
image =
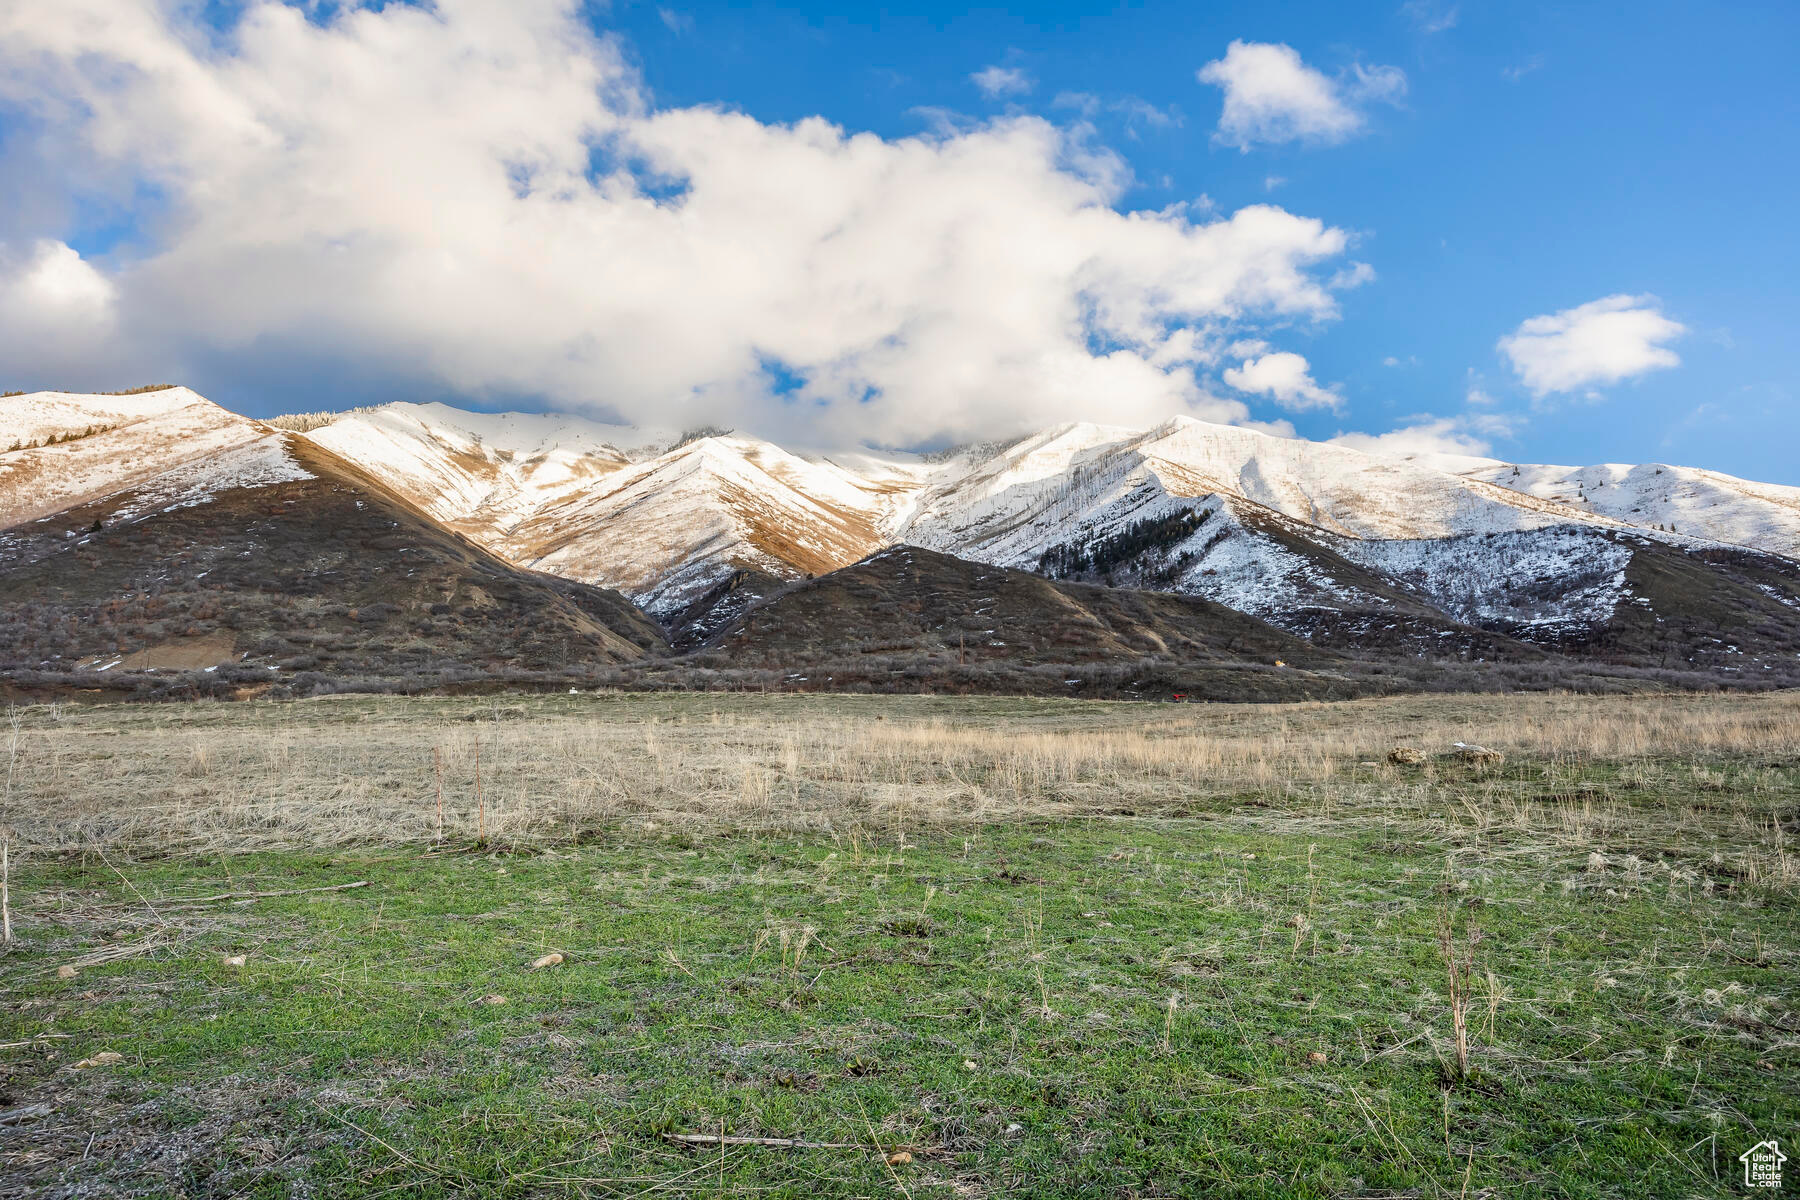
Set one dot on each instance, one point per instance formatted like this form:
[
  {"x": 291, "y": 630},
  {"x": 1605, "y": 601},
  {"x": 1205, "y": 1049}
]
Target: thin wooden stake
[
  {"x": 6, "y": 892},
  {"x": 437, "y": 765},
  {"x": 480, "y": 804}
]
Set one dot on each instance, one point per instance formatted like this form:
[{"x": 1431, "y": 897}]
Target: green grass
[{"x": 996, "y": 1002}]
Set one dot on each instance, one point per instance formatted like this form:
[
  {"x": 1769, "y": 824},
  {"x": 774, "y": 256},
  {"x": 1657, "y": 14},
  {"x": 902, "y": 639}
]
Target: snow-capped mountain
[
  {"x": 608, "y": 505},
  {"x": 480, "y": 473},
  {"x": 669, "y": 528},
  {"x": 1345, "y": 547},
  {"x": 1026, "y": 495},
  {"x": 1278, "y": 527},
  {"x": 160, "y": 532}
]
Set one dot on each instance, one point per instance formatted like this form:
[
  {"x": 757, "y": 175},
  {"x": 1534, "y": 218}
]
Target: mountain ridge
[{"x": 1357, "y": 553}]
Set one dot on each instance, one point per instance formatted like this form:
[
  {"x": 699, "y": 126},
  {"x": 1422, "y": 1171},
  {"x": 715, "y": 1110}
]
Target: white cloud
[
  {"x": 1384, "y": 84},
  {"x": 996, "y": 82},
  {"x": 1601, "y": 342},
  {"x": 55, "y": 302},
  {"x": 523, "y": 222},
  {"x": 1271, "y": 96},
  {"x": 1132, "y": 110},
  {"x": 1430, "y": 441},
  {"x": 1430, "y": 16},
  {"x": 1284, "y": 377},
  {"x": 1515, "y": 73}
]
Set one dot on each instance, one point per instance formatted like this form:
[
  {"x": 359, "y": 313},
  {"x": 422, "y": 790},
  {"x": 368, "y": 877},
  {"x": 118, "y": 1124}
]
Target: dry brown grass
[{"x": 1585, "y": 771}]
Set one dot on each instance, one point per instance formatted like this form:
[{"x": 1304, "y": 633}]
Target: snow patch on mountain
[
  {"x": 39, "y": 416},
  {"x": 1703, "y": 504},
  {"x": 1239, "y": 568},
  {"x": 135, "y": 439},
  {"x": 264, "y": 462},
  {"x": 1560, "y": 578}
]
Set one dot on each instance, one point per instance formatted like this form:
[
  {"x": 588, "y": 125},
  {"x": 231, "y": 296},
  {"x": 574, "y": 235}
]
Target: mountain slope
[
  {"x": 917, "y": 618},
  {"x": 1705, "y": 504},
  {"x": 670, "y": 529},
  {"x": 71, "y": 448},
  {"x": 276, "y": 553},
  {"x": 1094, "y": 478},
  {"x": 479, "y": 473}
]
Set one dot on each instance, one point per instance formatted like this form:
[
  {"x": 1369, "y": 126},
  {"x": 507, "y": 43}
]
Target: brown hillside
[
  {"x": 917, "y": 615},
  {"x": 333, "y": 574}
]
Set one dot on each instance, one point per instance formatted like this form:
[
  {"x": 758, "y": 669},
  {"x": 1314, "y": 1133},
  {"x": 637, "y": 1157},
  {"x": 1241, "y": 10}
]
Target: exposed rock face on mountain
[{"x": 1450, "y": 560}]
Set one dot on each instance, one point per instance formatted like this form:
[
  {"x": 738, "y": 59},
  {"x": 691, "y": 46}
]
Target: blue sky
[
  {"x": 1545, "y": 155},
  {"x": 1491, "y": 164}
]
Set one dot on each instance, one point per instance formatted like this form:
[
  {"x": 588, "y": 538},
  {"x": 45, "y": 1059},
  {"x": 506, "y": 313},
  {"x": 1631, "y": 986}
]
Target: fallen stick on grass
[
  {"x": 108, "y": 954},
  {"x": 183, "y": 901},
  {"x": 29, "y": 1112},
  {"x": 713, "y": 1139},
  {"x": 335, "y": 887}
]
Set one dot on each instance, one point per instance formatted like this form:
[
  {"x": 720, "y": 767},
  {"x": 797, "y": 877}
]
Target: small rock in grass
[
  {"x": 492, "y": 998},
  {"x": 899, "y": 1158},
  {"x": 968, "y": 1064},
  {"x": 1316, "y": 1057},
  {"x": 236, "y": 960},
  {"x": 66, "y": 972},
  {"x": 1479, "y": 755},
  {"x": 105, "y": 1058},
  {"x": 549, "y": 960}
]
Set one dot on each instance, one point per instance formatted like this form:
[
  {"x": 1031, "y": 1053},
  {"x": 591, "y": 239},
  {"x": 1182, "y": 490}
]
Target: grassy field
[{"x": 1016, "y": 947}]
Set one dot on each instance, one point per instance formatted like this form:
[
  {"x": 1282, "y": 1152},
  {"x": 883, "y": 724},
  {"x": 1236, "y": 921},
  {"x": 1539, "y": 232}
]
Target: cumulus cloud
[
  {"x": 1285, "y": 378},
  {"x": 1431, "y": 439},
  {"x": 479, "y": 198},
  {"x": 54, "y": 302},
  {"x": 1601, "y": 342},
  {"x": 1271, "y": 96},
  {"x": 997, "y": 82}
]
